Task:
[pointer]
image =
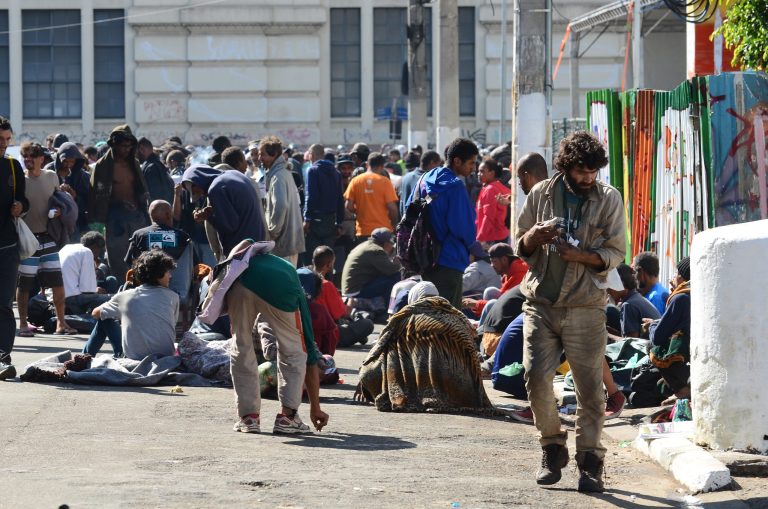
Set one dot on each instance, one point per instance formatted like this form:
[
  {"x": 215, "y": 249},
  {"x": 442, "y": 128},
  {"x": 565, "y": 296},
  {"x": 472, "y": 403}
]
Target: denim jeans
[
  {"x": 85, "y": 302},
  {"x": 105, "y": 329},
  {"x": 379, "y": 287},
  {"x": 9, "y": 270}
]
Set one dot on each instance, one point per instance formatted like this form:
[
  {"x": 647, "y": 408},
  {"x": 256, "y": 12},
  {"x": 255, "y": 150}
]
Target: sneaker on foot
[
  {"x": 525, "y": 415},
  {"x": 249, "y": 424},
  {"x": 7, "y": 371},
  {"x": 615, "y": 405},
  {"x": 554, "y": 458},
  {"x": 289, "y": 425}
]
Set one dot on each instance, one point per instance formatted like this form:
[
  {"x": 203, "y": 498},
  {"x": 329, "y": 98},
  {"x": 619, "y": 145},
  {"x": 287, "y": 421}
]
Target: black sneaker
[
  {"x": 554, "y": 458},
  {"x": 7, "y": 371},
  {"x": 590, "y": 473}
]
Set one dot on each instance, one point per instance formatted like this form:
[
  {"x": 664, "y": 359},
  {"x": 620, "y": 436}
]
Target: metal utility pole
[
  {"x": 574, "y": 66},
  {"x": 446, "y": 103},
  {"x": 637, "y": 44},
  {"x": 417, "y": 75},
  {"x": 504, "y": 89}
]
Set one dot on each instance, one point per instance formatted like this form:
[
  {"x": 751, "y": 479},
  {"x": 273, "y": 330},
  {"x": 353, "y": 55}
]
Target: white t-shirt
[{"x": 78, "y": 270}]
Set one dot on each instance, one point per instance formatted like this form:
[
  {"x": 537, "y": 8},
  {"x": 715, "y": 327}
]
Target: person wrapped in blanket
[
  {"x": 671, "y": 335},
  {"x": 425, "y": 360}
]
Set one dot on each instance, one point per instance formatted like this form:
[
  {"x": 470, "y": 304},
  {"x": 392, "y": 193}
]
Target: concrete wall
[{"x": 729, "y": 336}]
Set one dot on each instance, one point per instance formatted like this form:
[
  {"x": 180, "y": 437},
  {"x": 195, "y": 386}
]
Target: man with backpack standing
[{"x": 452, "y": 218}]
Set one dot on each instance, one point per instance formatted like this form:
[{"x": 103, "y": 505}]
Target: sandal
[
  {"x": 69, "y": 331},
  {"x": 27, "y": 332}
]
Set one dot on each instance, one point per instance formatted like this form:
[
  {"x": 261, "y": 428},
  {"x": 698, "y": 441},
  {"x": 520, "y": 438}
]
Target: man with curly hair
[
  {"x": 147, "y": 314},
  {"x": 571, "y": 232}
]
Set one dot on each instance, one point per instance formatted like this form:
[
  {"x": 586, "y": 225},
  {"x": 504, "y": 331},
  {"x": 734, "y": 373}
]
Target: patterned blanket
[{"x": 425, "y": 361}]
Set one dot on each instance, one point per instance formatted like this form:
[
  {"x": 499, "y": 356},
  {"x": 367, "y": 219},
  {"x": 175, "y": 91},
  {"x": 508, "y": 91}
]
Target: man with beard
[
  {"x": 118, "y": 199},
  {"x": 571, "y": 232},
  {"x": 646, "y": 265}
]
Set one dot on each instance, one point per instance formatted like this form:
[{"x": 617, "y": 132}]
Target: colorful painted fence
[{"x": 685, "y": 159}]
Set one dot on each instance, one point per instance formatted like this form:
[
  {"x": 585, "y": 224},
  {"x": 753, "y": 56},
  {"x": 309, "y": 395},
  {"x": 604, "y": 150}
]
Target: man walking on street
[
  {"x": 571, "y": 232},
  {"x": 452, "y": 217},
  {"x": 13, "y": 202}
]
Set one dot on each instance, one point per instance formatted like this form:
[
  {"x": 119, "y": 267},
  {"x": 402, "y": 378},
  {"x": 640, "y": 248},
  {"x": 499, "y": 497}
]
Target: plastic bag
[{"x": 28, "y": 243}]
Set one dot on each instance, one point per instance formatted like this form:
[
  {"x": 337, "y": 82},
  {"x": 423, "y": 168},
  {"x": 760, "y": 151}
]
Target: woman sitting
[{"x": 424, "y": 360}]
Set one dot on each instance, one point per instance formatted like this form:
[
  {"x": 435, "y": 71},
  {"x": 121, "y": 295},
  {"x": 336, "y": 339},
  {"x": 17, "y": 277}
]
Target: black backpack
[{"x": 416, "y": 245}]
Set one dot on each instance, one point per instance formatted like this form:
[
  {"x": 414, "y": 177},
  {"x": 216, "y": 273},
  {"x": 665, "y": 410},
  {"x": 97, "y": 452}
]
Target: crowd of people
[{"x": 303, "y": 248}]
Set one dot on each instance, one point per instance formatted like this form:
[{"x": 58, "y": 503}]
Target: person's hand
[
  {"x": 504, "y": 199},
  {"x": 319, "y": 418},
  {"x": 468, "y": 303},
  {"x": 567, "y": 252},
  {"x": 306, "y": 227},
  {"x": 203, "y": 214},
  {"x": 177, "y": 189},
  {"x": 16, "y": 209},
  {"x": 68, "y": 189},
  {"x": 540, "y": 234},
  {"x": 359, "y": 396},
  {"x": 646, "y": 325},
  {"x": 57, "y": 212},
  {"x": 101, "y": 291}
]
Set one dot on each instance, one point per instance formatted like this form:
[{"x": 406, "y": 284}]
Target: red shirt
[
  {"x": 515, "y": 274},
  {"x": 331, "y": 299},
  {"x": 491, "y": 215}
]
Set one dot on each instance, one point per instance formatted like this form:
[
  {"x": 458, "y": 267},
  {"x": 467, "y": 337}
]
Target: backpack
[{"x": 416, "y": 245}]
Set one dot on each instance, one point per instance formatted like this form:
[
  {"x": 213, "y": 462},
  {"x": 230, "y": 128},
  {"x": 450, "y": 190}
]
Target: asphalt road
[{"x": 100, "y": 447}]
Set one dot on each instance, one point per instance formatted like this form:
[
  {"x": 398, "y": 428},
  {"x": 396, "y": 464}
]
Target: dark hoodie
[
  {"x": 323, "y": 192},
  {"x": 452, "y": 217},
  {"x": 101, "y": 179},
  {"x": 78, "y": 179},
  {"x": 237, "y": 213}
]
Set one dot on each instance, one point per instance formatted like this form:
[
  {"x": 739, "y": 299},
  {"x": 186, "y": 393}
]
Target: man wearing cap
[
  {"x": 370, "y": 271},
  {"x": 323, "y": 204},
  {"x": 359, "y": 155},
  {"x": 511, "y": 269},
  {"x": 372, "y": 198},
  {"x": 479, "y": 275},
  {"x": 571, "y": 232}
]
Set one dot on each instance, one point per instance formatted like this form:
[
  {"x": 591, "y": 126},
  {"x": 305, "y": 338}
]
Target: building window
[
  {"x": 51, "y": 63},
  {"x": 345, "y": 63},
  {"x": 5, "y": 73},
  {"x": 466, "y": 60},
  {"x": 109, "y": 63},
  {"x": 390, "y": 46}
]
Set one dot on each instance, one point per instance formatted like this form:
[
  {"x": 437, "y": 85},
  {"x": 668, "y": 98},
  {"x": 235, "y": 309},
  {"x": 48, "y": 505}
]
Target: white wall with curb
[{"x": 729, "y": 336}]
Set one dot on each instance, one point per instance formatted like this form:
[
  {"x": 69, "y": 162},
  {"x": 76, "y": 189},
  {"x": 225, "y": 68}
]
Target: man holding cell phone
[{"x": 571, "y": 232}]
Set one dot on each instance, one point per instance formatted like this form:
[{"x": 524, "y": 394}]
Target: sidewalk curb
[{"x": 694, "y": 467}]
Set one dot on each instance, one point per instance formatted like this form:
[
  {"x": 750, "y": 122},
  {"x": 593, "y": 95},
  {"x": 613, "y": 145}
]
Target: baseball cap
[{"x": 382, "y": 235}]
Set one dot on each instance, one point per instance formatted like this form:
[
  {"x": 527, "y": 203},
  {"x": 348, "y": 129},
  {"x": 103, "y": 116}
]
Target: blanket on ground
[
  {"x": 76, "y": 368},
  {"x": 425, "y": 360}
]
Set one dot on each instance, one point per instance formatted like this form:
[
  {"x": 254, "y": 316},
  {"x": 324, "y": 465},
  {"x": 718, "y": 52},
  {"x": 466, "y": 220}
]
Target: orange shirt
[{"x": 371, "y": 193}]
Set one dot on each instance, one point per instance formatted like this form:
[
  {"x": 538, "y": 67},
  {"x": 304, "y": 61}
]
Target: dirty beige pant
[
  {"x": 581, "y": 333},
  {"x": 244, "y": 306}
]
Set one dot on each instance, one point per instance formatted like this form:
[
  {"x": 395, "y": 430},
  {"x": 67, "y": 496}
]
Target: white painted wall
[{"x": 729, "y": 336}]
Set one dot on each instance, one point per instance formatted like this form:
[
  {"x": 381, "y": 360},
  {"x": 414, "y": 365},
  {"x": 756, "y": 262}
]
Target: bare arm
[
  {"x": 312, "y": 380},
  {"x": 394, "y": 214}
]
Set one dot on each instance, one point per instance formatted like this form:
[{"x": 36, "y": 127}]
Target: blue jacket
[
  {"x": 322, "y": 192},
  {"x": 452, "y": 216},
  {"x": 237, "y": 211}
]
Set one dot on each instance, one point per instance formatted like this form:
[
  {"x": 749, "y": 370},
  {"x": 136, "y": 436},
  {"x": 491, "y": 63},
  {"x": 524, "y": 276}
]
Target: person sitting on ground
[
  {"x": 646, "y": 265},
  {"x": 671, "y": 335},
  {"x": 511, "y": 269},
  {"x": 480, "y": 274},
  {"x": 323, "y": 326},
  {"x": 78, "y": 269},
  {"x": 147, "y": 314},
  {"x": 159, "y": 235},
  {"x": 370, "y": 272},
  {"x": 424, "y": 360},
  {"x": 633, "y": 307},
  {"x": 352, "y": 330}
]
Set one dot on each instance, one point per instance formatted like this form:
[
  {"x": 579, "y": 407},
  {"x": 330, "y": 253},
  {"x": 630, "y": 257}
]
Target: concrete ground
[{"x": 100, "y": 447}]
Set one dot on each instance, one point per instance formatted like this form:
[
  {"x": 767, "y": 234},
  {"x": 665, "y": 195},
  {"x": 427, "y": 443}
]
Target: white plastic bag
[{"x": 28, "y": 243}]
